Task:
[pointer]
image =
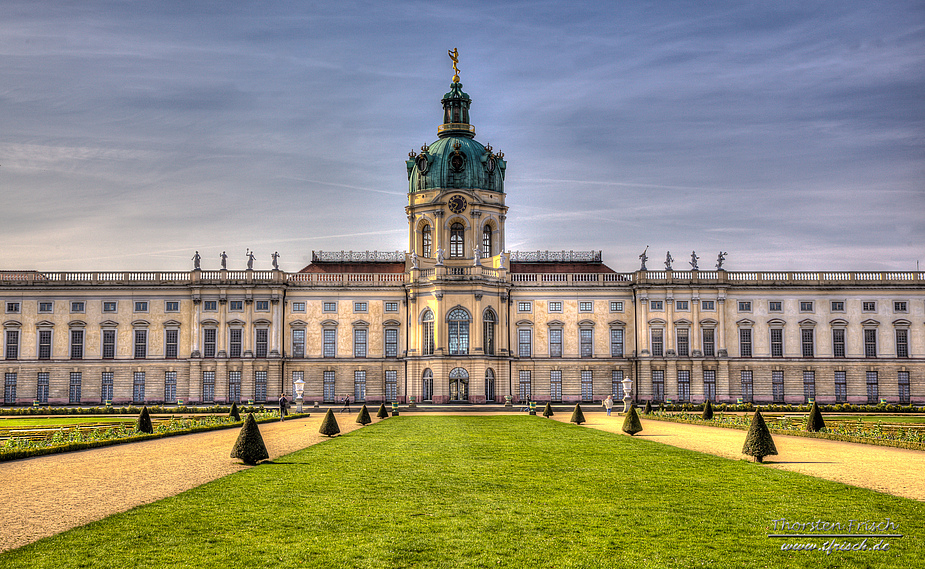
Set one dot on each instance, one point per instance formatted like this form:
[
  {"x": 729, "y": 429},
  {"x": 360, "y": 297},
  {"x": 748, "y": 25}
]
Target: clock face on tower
[{"x": 457, "y": 204}]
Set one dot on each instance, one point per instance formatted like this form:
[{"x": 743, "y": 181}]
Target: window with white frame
[
  {"x": 41, "y": 388},
  {"x": 108, "y": 343},
  {"x": 555, "y": 342},
  {"x": 486, "y": 241},
  {"x": 44, "y": 343},
  {"x": 555, "y": 306},
  {"x": 391, "y": 385},
  {"x": 261, "y": 342},
  {"x": 359, "y": 342},
  {"x": 298, "y": 306},
  {"x": 391, "y": 306},
  {"x": 777, "y": 385},
  {"x": 838, "y": 342},
  {"x": 427, "y": 333},
  {"x": 869, "y": 306},
  {"x": 900, "y": 306},
  {"x": 587, "y": 385},
  {"x": 841, "y": 386},
  {"x": 745, "y": 306},
  {"x": 138, "y": 387},
  {"x": 141, "y": 343},
  {"x": 235, "y": 342},
  {"x": 745, "y": 342},
  {"x": 555, "y": 385},
  {"x": 489, "y": 384},
  {"x": 708, "y": 305},
  {"x": 141, "y": 306},
  {"x": 586, "y": 342},
  {"x": 329, "y": 394},
  {"x": 171, "y": 343},
  {"x": 427, "y": 385},
  {"x": 775, "y": 306},
  {"x": 208, "y": 386},
  {"x": 427, "y": 241},
  {"x": 78, "y": 306},
  {"x": 837, "y": 306},
  {"x": 489, "y": 320},
  {"x": 524, "y": 342},
  {"x": 262, "y": 305},
  {"x": 806, "y": 306},
  {"x": 75, "y": 388},
  {"x": 106, "y": 386},
  {"x": 709, "y": 384},
  {"x": 658, "y": 342},
  {"x": 458, "y": 331},
  {"x": 902, "y": 342},
  {"x": 46, "y": 307},
  {"x": 616, "y": 383},
  {"x": 524, "y": 306},
  {"x": 297, "y": 376},
  {"x": 360, "y": 306},
  {"x": 683, "y": 341},
  {"x": 903, "y": 381},
  {"x": 9, "y": 388},
  {"x": 359, "y": 385},
  {"x": 709, "y": 342},
  {"x": 682, "y": 305},
  {"x": 209, "y": 336},
  {"x": 236, "y": 305},
  {"x": 807, "y": 343},
  {"x": 234, "y": 385},
  {"x": 12, "y": 344},
  {"x": 777, "y": 342},
  {"x": 873, "y": 388},
  {"x": 298, "y": 342},
  {"x": 870, "y": 342},
  {"x": 210, "y": 305},
  {"x": 586, "y": 306},
  {"x": 745, "y": 380},
  {"x": 329, "y": 307},
  {"x": 656, "y": 305},
  {"x": 684, "y": 385},
  {"x": 809, "y": 386},
  {"x": 391, "y": 342},
  {"x": 171, "y": 306},
  {"x": 457, "y": 239},
  {"x": 616, "y": 306},
  {"x": 12, "y": 307},
  {"x": 658, "y": 385},
  {"x": 170, "y": 387},
  {"x": 616, "y": 342},
  {"x": 524, "y": 385},
  {"x": 260, "y": 386},
  {"x": 329, "y": 342}
]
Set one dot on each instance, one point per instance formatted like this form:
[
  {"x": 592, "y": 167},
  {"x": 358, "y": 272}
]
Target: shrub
[
  {"x": 363, "y": 418},
  {"x": 329, "y": 426},
  {"x": 234, "y": 412},
  {"x": 144, "y": 422},
  {"x": 648, "y": 408},
  {"x": 631, "y": 423},
  {"x": 707, "y": 412},
  {"x": 577, "y": 416},
  {"x": 758, "y": 441},
  {"x": 547, "y": 411},
  {"x": 250, "y": 447},
  {"x": 382, "y": 414},
  {"x": 814, "y": 422}
]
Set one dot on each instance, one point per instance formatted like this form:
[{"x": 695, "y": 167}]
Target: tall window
[
  {"x": 234, "y": 343},
  {"x": 208, "y": 386},
  {"x": 709, "y": 384},
  {"x": 261, "y": 342},
  {"x": 489, "y": 320},
  {"x": 9, "y": 388},
  {"x": 458, "y": 328},
  {"x": 683, "y": 342},
  {"x": 838, "y": 342},
  {"x": 260, "y": 386},
  {"x": 616, "y": 342},
  {"x": 746, "y": 384},
  {"x": 587, "y": 385},
  {"x": 745, "y": 342},
  {"x": 359, "y": 342},
  {"x": 298, "y": 343},
  {"x": 359, "y": 385},
  {"x": 457, "y": 232},
  {"x": 391, "y": 342},
  {"x": 44, "y": 344},
  {"x": 486, "y": 241},
  {"x": 138, "y": 387},
  {"x": 489, "y": 385},
  {"x": 234, "y": 386},
  {"x": 555, "y": 385},
  {"x": 427, "y": 330},
  {"x": 427, "y": 241},
  {"x": 524, "y": 344},
  {"x": 427, "y": 385},
  {"x": 902, "y": 343},
  {"x": 873, "y": 388},
  {"x": 329, "y": 387},
  {"x": 809, "y": 386},
  {"x": 75, "y": 388},
  {"x": 171, "y": 344},
  {"x": 841, "y": 387},
  {"x": 555, "y": 342},
  {"x": 870, "y": 343},
  {"x": 709, "y": 342},
  {"x": 329, "y": 337},
  {"x": 658, "y": 342},
  {"x": 141, "y": 345},
  {"x": 77, "y": 344},
  {"x": 684, "y": 385},
  {"x": 586, "y": 342},
  {"x": 391, "y": 385},
  {"x": 459, "y": 384},
  {"x": 12, "y": 344},
  {"x": 41, "y": 391},
  {"x": 806, "y": 339},
  {"x": 616, "y": 383},
  {"x": 777, "y": 342},
  {"x": 658, "y": 384},
  {"x": 777, "y": 385},
  {"x": 170, "y": 387},
  {"x": 524, "y": 389},
  {"x": 105, "y": 386},
  {"x": 208, "y": 342},
  {"x": 903, "y": 380}
]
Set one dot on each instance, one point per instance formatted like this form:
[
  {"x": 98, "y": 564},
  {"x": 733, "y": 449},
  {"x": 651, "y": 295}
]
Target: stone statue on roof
[
  {"x": 275, "y": 256},
  {"x": 719, "y": 260},
  {"x": 668, "y": 260},
  {"x": 643, "y": 258},
  {"x": 250, "y": 260},
  {"x": 224, "y": 260},
  {"x": 694, "y": 258},
  {"x": 196, "y": 259},
  {"x": 454, "y": 55}
]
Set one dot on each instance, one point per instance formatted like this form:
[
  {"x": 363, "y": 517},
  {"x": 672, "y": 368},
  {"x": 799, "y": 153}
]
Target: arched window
[
  {"x": 486, "y": 241},
  {"x": 458, "y": 328},
  {"x": 427, "y": 387},
  {"x": 488, "y": 322},
  {"x": 456, "y": 239},
  {"x": 427, "y": 241},
  {"x": 459, "y": 384},
  {"x": 489, "y": 385},
  {"x": 427, "y": 331}
]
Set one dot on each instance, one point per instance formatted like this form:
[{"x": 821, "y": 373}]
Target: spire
[{"x": 455, "y": 106}]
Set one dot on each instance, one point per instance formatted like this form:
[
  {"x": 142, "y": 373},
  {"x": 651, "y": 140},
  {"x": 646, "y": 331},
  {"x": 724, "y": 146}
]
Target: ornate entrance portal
[{"x": 459, "y": 384}]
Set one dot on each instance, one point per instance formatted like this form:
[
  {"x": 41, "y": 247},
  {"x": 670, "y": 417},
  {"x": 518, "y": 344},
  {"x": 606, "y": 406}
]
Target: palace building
[{"x": 458, "y": 318}]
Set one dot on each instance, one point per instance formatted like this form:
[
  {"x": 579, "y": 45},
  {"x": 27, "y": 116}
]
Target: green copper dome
[{"x": 456, "y": 160}]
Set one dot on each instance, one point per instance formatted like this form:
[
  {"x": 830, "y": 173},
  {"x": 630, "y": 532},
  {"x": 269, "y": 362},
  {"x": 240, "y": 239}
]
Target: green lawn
[{"x": 511, "y": 491}]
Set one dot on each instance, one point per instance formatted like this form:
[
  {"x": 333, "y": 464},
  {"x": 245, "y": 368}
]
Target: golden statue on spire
[{"x": 454, "y": 55}]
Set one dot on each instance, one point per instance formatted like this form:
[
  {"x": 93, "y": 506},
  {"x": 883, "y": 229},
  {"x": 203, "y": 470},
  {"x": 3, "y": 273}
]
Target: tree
[
  {"x": 329, "y": 426},
  {"x": 707, "y": 411},
  {"x": 144, "y": 422},
  {"x": 547, "y": 411},
  {"x": 758, "y": 441},
  {"x": 648, "y": 409},
  {"x": 382, "y": 414},
  {"x": 363, "y": 418},
  {"x": 577, "y": 416},
  {"x": 632, "y": 424},
  {"x": 234, "y": 414},
  {"x": 250, "y": 447},
  {"x": 814, "y": 422}
]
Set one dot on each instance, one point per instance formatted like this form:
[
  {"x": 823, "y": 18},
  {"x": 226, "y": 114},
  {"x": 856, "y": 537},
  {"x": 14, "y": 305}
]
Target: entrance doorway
[{"x": 459, "y": 384}]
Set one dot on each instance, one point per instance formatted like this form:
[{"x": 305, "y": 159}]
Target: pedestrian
[
  {"x": 346, "y": 406},
  {"x": 283, "y": 402},
  {"x": 608, "y": 404}
]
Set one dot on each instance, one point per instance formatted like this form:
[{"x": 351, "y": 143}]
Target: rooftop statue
[
  {"x": 668, "y": 261},
  {"x": 719, "y": 260},
  {"x": 454, "y": 55},
  {"x": 224, "y": 260},
  {"x": 694, "y": 258},
  {"x": 196, "y": 259},
  {"x": 643, "y": 258},
  {"x": 250, "y": 260},
  {"x": 275, "y": 256}
]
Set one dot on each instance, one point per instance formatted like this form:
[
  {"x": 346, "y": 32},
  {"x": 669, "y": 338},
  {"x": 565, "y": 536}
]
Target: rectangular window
[
  {"x": 841, "y": 387},
  {"x": 77, "y": 344},
  {"x": 838, "y": 306},
  {"x": 427, "y": 332},
  {"x": 260, "y": 386},
  {"x": 777, "y": 342},
  {"x": 261, "y": 343},
  {"x": 658, "y": 342},
  {"x": 138, "y": 387},
  {"x": 235, "y": 336},
  {"x": 141, "y": 345},
  {"x": 109, "y": 306},
  {"x": 616, "y": 306},
  {"x": 208, "y": 387},
  {"x": 586, "y": 342},
  {"x": 141, "y": 306},
  {"x": 172, "y": 306},
  {"x": 709, "y": 384},
  {"x": 587, "y": 385},
  {"x": 683, "y": 341},
  {"x": 170, "y": 387},
  {"x": 900, "y": 306},
  {"x": 746, "y": 383},
  {"x": 234, "y": 386},
  {"x": 775, "y": 306},
  {"x": 44, "y": 344},
  {"x": 329, "y": 393},
  {"x": 74, "y": 389},
  {"x": 359, "y": 385},
  {"x": 745, "y": 342},
  {"x": 745, "y": 306},
  {"x": 391, "y": 385},
  {"x": 709, "y": 342},
  {"x": 809, "y": 386},
  {"x": 903, "y": 380},
  {"x": 359, "y": 343},
  {"x": 524, "y": 307},
  {"x": 616, "y": 342},
  {"x": 391, "y": 342},
  {"x": 902, "y": 343},
  {"x": 869, "y": 306},
  {"x": 171, "y": 344},
  {"x": 9, "y": 388},
  {"x": 262, "y": 306},
  {"x": 873, "y": 388},
  {"x": 209, "y": 336},
  {"x": 656, "y": 305},
  {"x": 777, "y": 385},
  {"x": 806, "y": 306},
  {"x": 391, "y": 307},
  {"x": 585, "y": 306},
  {"x": 555, "y": 306},
  {"x": 330, "y": 342},
  {"x": 870, "y": 343},
  {"x": 806, "y": 340},
  {"x": 41, "y": 390},
  {"x": 236, "y": 305},
  {"x": 360, "y": 307},
  {"x": 555, "y": 342},
  {"x": 298, "y": 343},
  {"x": 12, "y": 344},
  {"x": 106, "y": 386},
  {"x": 616, "y": 383},
  {"x": 12, "y": 307},
  {"x": 524, "y": 388},
  {"x": 838, "y": 342},
  {"x": 708, "y": 305},
  {"x": 329, "y": 307},
  {"x": 555, "y": 385},
  {"x": 46, "y": 307},
  {"x": 524, "y": 344},
  {"x": 682, "y": 305},
  {"x": 77, "y": 306},
  {"x": 684, "y": 385},
  {"x": 658, "y": 385},
  {"x": 210, "y": 305},
  {"x": 298, "y": 307},
  {"x": 109, "y": 344}
]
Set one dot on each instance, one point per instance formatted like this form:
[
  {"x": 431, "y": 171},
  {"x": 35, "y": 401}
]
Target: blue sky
[{"x": 790, "y": 134}]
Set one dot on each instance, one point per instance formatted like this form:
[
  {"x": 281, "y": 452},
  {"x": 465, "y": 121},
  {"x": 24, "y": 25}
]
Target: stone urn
[{"x": 627, "y": 394}]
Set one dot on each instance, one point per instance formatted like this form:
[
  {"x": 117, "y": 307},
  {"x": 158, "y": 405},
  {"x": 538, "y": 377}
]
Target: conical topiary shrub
[
  {"x": 382, "y": 414},
  {"x": 577, "y": 416},
  {"x": 707, "y": 412},
  {"x": 250, "y": 447},
  {"x": 631, "y": 423},
  {"x": 758, "y": 441},
  {"x": 329, "y": 426},
  {"x": 234, "y": 414},
  {"x": 144, "y": 422},
  {"x": 547, "y": 410},
  {"x": 363, "y": 418},
  {"x": 814, "y": 422},
  {"x": 648, "y": 408}
]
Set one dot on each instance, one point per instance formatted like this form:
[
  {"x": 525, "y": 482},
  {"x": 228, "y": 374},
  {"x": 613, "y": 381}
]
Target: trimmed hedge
[
  {"x": 577, "y": 416},
  {"x": 814, "y": 422},
  {"x": 144, "y": 422},
  {"x": 382, "y": 414},
  {"x": 250, "y": 447},
  {"x": 329, "y": 426},
  {"x": 547, "y": 410},
  {"x": 758, "y": 442},
  {"x": 631, "y": 424},
  {"x": 363, "y": 417}
]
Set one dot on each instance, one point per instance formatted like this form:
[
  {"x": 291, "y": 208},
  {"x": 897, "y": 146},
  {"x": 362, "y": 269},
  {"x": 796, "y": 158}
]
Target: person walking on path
[
  {"x": 346, "y": 406},
  {"x": 608, "y": 404},
  {"x": 283, "y": 402}
]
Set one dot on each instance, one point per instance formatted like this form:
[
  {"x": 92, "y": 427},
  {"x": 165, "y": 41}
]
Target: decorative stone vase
[{"x": 627, "y": 394}]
